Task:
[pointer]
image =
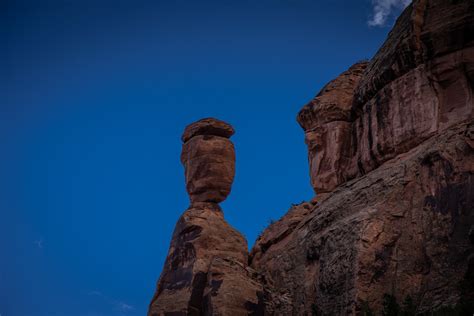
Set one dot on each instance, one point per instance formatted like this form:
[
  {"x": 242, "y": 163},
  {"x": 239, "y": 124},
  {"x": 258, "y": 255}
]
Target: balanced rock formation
[
  {"x": 391, "y": 154},
  {"x": 206, "y": 270}
]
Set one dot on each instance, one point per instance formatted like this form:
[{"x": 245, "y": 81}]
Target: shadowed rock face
[
  {"x": 327, "y": 122},
  {"x": 390, "y": 146},
  {"x": 419, "y": 83},
  {"x": 391, "y": 153},
  {"x": 402, "y": 229},
  {"x": 209, "y": 160},
  {"x": 206, "y": 270}
]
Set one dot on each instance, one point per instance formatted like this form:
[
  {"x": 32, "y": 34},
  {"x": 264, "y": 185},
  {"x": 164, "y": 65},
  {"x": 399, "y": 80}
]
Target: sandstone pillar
[{"x": 206, "y": 270}]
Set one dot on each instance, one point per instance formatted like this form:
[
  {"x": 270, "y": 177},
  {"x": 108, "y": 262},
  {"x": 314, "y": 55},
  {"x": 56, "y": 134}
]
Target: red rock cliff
[
  {"x": 418, "y": 84},
  {"x": 391, "y": 153},
  {"x": 390, "y": 146}
]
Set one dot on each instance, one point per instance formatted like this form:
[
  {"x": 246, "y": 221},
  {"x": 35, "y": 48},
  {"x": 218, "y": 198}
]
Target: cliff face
[
  {"x": 391, "y": 153},
  {"x": 327, "y": 121},
  {"x": 418, "y": 84},
  {"x": 391, "y": 158},
  {"x": 402, "y": 229}
]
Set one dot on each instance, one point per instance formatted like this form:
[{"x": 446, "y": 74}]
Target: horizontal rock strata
[
  {"x": 391, "y": 153},
  {"x": 402, "y": 229},
  {"x": 206, "y": 271}
]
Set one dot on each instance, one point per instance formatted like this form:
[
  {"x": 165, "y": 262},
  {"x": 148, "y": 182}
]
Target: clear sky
[{"x": 94, "y": 97}]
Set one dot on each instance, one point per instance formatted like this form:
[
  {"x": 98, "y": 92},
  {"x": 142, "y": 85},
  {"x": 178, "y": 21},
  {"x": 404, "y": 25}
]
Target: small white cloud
[
  {"x": 383, "y": 9},
  {"x": 94, "y": 293}
]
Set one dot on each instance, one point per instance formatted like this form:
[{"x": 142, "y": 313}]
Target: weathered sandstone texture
[
  {"x": 418, "y": 84},
  {"x": 402, "y": 229},
  {"x": 208, "y": 157},
  {"x": 327, "y": 122},
  {"x": 206, "y": 270},
  {"x": 390, "y": 147},
  {"x": 391, "y": 154}
]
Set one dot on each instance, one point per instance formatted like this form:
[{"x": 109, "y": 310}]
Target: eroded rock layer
[
  {"x": 391, "y": 153},
  {"x": 418, "y": 84},
  {"x": 390, "y": 146},
  {"x": 208, "y": 157},
  {"x": 402, "y": 230},
  {"x": 206, "y": 271},
  {"x": 327, "y": 121}
]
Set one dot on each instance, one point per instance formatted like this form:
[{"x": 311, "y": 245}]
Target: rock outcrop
[
  {"x": 391, "y": 154},
  {"x": 206, "y": 270},
  {"x": 327, "y": 122},
  {"x": 208, "y": 157},
  {"x": 391, "y": 157},
  {"x": 418, "y": 84},
  {"x": 402, "y": 230}
]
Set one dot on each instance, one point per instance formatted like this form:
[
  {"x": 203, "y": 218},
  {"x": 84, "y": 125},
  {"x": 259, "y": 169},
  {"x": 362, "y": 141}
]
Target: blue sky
[{"x": 94, "y": 97}]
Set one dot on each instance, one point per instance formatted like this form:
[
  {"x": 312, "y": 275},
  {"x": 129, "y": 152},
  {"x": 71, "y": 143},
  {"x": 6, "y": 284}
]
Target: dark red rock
[
  {"x": 424, "y": 31},
  {"x": 206, "y": 271},
  {"x": 208, "y": 157},
  {"x": 207, "y": 126},
  {"x": 391, "y": 150},
  {"x": 327, "y": 122},
  {"x": 402, "y": 229},
  {"x": 418, "y": 84}
]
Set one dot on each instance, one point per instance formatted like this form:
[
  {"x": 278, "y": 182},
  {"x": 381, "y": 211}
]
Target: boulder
[{"x": 208, "y": 157}]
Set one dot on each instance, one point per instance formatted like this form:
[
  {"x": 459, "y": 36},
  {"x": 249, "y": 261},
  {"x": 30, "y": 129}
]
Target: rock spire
[{"x": 206, "y": 271}]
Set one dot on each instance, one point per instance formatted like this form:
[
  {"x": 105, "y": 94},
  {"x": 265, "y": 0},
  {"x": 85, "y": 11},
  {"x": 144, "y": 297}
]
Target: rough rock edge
[{"x": 208, "y": 126}]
